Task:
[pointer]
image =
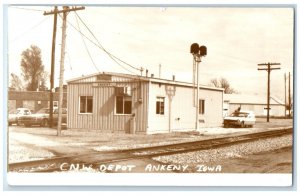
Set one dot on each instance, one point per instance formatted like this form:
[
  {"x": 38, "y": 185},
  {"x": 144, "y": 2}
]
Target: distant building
[
  {"x": 33, "y": 100},
  {"x": 255, "y": 103},
  {"x": 138, "y": 104}
]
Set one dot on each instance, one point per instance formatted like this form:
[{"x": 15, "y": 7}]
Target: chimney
[
  {"x": 159, "y": 74},
  {"x": 152, "y": 75},
  {"x": 173, "y": 77},
  {"x": 146, "y": 72}
]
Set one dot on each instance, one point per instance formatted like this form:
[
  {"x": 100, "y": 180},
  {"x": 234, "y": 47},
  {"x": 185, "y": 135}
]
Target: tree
[
  {"x": 32, "y": 68},
  {"x": 15, "y": 82},
  {"x": 43, "y": 81},
  {"x": 223, "y": 83}
]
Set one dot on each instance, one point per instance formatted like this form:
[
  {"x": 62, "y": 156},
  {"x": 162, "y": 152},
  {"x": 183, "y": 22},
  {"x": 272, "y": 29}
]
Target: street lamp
[{"x": 198, "y": 53}]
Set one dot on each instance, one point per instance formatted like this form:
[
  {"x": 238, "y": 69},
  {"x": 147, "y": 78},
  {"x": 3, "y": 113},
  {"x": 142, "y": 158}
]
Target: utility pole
[
  {"x": 285, "y": 94},
  {"x": 65, "y": 12},
  {"x": 61, "y": 73},
  {"x": 52, "y": 66},
  {"x": 290, "y": 104},
  {"x": 268, "y": 69}
]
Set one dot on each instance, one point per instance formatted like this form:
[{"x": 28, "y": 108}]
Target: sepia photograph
[{"x": 193, "y": 93}]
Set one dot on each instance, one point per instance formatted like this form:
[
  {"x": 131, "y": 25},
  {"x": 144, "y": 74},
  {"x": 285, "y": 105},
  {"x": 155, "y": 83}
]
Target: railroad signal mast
[
  {"x": 198, "y": 53},
  {"x": 268, "y": 68}
]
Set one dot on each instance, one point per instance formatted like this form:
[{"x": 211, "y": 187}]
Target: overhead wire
[
  {"x": 103, "y": 47},
  {"x": 30, "y": 29},
  {"x": 28, "y": 9},
  {"x": 86, "y": 45},
  {"x": 100, "y": 47}
]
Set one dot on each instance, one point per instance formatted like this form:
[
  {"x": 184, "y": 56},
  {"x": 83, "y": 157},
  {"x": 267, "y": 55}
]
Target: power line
[
  {"x": 101, "y": 47},
  {"x": 30, "y": 29},
  {"x": 86, "y": 46},
  {"x": 28, "y": 9}
]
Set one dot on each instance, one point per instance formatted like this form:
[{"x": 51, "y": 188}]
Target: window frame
[
  {"x": 55, "y": 102},
  {"x": 124, "y": 97},
  {"x": 201, "y": 110},
  {"x": 86, "y": 104},
  {"x": 159, "y": 112}
]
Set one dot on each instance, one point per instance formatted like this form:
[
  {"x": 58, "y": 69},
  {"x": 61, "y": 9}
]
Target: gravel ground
[
  {"x": 235, "y": 151},
  {"x": 28, "y": 154},
  {"x": 39, "y": 143}
]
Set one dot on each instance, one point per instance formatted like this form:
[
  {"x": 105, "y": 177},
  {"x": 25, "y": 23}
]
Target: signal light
[
  {"x": 203, "y": 50},
  {"x": 195, "y": 48}
]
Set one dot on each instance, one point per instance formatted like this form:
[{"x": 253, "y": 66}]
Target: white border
[
  {"x": 151, "y": 2},
  {"x": 148, "y": 179},
  {"x": 61, "y": 179}
]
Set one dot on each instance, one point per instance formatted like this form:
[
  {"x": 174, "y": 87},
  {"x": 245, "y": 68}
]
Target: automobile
[
  {"x": 41, "y": 118},
  {"x": 240, "y": 119},
  {"x": 13, "y": 117}
]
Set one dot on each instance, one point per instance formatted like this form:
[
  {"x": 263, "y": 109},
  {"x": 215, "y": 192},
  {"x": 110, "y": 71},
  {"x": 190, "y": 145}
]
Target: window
[
  {"x": 123, "y": 91},
  {"x": 55, "y": 103},
  {"x": 86, "y": 104},
  {"x": 160, "y": 105},
  {"x": 123, "y": 104},
  {"x": 201, "y": 106}
]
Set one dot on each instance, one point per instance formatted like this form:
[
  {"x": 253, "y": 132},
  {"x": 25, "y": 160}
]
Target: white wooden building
[
  {"x": 125, "y": 103},
  {"x": 255, "y": 103}
]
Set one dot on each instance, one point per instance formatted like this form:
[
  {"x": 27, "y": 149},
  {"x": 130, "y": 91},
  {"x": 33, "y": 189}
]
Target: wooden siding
[
  {"x": 93, "y": 78},
  {"x": 103, "y": 116}
]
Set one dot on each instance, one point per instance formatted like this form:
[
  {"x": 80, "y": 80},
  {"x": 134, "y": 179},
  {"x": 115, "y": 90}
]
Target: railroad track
[{"x": 105, "y": 157}]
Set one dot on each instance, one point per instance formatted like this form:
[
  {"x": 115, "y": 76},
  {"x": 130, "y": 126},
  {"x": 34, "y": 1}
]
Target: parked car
[
  {"x": 41, "y": 118},
  {"x": 13, "y": 117},
  {"x": 240, "y": 119}
]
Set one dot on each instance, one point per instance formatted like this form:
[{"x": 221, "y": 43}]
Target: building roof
[
  {"x": 34, "y": 95},
  {"x": 88, "y": 78},
  {"x": 250, "y": 99}
]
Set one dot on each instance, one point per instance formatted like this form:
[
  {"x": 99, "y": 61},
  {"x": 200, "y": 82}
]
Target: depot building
[{"x": 114, "y": 102}]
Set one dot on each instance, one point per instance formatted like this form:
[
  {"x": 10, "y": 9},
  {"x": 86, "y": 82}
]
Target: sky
[{"x": 237, "y": 39}]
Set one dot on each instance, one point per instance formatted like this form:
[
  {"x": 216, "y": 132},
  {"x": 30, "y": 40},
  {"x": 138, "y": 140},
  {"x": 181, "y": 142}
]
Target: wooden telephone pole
[
  {"x": 290, "y": 102},
  {"x": 285, "y": 94},
  {"x": 268, "y": 69},
  {"x": 52, "y": 66},
  {"x": 64, "y": 11}
]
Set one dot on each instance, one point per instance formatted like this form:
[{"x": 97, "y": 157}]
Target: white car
[
  {"x": 240, "y": 118},
  {"x": 41, "y": 118},
  {"x": 13, "y": 117}
]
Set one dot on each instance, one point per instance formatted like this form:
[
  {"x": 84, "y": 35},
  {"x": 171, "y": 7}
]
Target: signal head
[
  {"x": 195, "y": 48},
  {"x": 203, "y": 50}
]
